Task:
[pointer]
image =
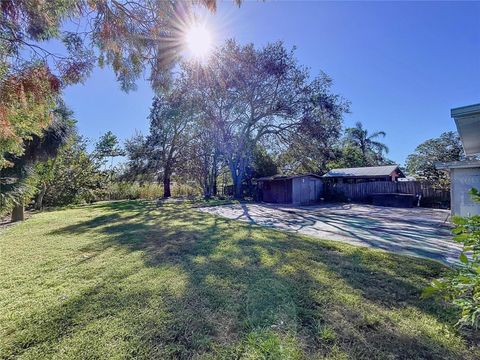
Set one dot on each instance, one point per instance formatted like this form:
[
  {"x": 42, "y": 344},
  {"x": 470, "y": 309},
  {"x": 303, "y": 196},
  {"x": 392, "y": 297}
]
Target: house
[
  {"x": 465, "y": 174},
  {"x": 296, "y": 189},
  {"x": 364, "y": 174}
]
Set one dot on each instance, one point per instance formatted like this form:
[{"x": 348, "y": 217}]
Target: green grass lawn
[{"x": 133, "y": 280}]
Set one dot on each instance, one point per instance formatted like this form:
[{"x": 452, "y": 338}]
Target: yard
[{"x": 134, "y": 280}]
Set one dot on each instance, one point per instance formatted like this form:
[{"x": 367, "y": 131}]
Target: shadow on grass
[{"x": 246, "y": 289}]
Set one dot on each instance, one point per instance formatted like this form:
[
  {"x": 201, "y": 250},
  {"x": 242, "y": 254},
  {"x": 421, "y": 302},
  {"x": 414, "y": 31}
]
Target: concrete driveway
[{"x": 417, "y": 231}]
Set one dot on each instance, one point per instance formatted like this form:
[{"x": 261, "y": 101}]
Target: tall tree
[
  {"x": 421, "y": 164},
  {"x": 136, "y": 167},
  {"x": 171, "y": 119},
  {"x": 372, "y": 150},
  {"x": 203, "y": 161},
  {"x": 250, "y": 94}
]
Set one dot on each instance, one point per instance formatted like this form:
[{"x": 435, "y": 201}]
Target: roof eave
[
  {"x": 270, "y": 178},
  {"x": 463, "y": 164},
  {"x": 463, "y": 111},
  {"x": 467, "y": 121},
  {"x": 356, "y": 176}
]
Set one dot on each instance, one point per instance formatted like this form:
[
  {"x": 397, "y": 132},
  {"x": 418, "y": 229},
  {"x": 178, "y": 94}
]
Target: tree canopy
[
  {"x": 421, "y": 164},
  {"x": 27, "y": 102},
  {"x": 250, "y": 95},
  {"x": 171, "y": 118},
  {"x": 371, "y": 149},
  {"x": 72, "y": 176},
  {"x": 130, "y": 36},
  {"x": 108, "y": 146}
]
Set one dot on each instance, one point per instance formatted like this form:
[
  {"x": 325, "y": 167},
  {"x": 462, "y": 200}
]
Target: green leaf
[
  {"x": 458, "y": 220},
  {"x": 463, "y": 258},
  {"x": 429, "y": 291}
]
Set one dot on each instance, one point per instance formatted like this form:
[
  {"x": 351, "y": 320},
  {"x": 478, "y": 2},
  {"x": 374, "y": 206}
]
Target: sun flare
[{"x": 198, "y": 40}]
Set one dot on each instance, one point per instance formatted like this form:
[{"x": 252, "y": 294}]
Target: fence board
[{"x": 362, "y": 192}]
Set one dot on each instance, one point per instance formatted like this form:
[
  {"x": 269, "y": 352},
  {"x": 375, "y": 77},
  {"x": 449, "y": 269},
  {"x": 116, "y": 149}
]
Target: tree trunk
[
  {"x": 237, "y": 188},
  {"x": 235, "y": 179},
  {"x": 206, "y": 192},
  {"x": 166, "y": 186},
  {"x": 206, "y": 177},
  {"x": 206, "y": 186},
  {"x": 214, "y": 187},
  {"x": 18, "y": 213},
  {"x": 39, "y": 199},
  {"x": 215, "y": 175},
  {"x": 237, "y": 170}
]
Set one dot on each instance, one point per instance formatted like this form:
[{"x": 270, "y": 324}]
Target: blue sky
[{"x": 402, "y": 65}]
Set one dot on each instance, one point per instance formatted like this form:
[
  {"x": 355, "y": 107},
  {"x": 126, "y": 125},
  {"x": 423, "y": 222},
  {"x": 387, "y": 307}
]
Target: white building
[{"x": 465, "y": 174}]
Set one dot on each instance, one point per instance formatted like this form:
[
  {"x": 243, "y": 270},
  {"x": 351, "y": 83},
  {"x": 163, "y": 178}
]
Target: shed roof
[
  {"x": 371, "y": 171},
  {"x": 286, "y": 177}
]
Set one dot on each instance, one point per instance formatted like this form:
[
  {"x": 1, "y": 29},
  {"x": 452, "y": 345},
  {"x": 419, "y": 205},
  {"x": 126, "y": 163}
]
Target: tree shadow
[
  {"x": 239, "y": 279},
  {"x": 390, "y": 229}
]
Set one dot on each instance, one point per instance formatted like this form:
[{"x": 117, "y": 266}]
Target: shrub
[
  {"x": 185, "y": 190},
  {"x": 147, "y": 191},
  {"x": 133, "y": 191},
  {"x": 462, "y": 286}
]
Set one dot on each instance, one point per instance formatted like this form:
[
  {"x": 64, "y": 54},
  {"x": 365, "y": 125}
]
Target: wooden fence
[{"x": 362, "y": 192}]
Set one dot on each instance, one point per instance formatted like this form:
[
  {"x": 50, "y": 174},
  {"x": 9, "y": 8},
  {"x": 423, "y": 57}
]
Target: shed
[
  {"x": 297, "y": 189},
  {"x": 364, "y": 174}
]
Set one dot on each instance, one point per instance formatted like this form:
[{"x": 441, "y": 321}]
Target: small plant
[
  {"x": 267, "y": 344},
  {"x": 462, "y": 286},
  {"x": 326, "y": 333}
]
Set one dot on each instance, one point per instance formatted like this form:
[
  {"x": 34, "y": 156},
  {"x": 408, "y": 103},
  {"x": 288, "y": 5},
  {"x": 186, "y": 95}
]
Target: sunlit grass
[{"x": 133, "y": 280}]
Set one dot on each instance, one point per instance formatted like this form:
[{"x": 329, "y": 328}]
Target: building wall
[
  {"x": 306, "y": 190},
  {"x": 277, "y": 191},
  {"x": 463, "y": 179}
]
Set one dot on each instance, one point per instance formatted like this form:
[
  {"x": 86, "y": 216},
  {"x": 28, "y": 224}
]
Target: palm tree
[
  {"x": 367, "y": 143},
  {"x": 15, "y": 184}
]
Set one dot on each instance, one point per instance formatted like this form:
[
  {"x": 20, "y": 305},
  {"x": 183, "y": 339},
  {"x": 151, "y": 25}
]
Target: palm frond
[
  {"x": 377, "y": 134},
  {"x": 379, "y": 146},
  {"x": 359, "y": 126}
]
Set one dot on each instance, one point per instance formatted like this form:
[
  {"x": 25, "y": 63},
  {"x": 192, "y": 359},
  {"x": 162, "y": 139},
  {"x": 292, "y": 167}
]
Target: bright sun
[{"x": 198, "y": 40}]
